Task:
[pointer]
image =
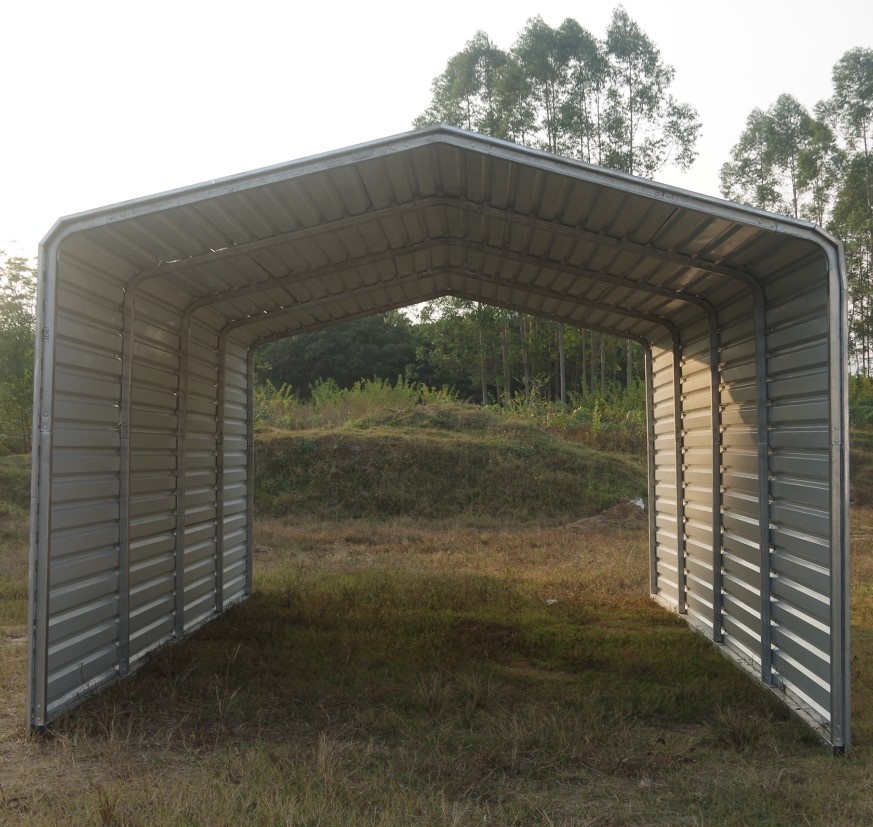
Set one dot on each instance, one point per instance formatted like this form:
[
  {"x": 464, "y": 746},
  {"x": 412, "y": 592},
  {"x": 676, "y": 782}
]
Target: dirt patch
[{"x": 625, "y": 514}]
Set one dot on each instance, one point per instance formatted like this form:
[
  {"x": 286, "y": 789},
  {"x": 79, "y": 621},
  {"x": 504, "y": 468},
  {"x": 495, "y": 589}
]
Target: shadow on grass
[
  {"x": 405, "y": 674},
  {"x": 386, "y": 655}
]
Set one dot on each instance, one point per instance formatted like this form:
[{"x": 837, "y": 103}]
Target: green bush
[{"x": 330, "y": 405}]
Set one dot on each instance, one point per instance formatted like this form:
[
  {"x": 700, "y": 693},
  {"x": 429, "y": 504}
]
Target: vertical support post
[
  {"x": 680, "y": 478},
  {"x": 219, "y": 474},
  {"x": 40, "y": 490},
  {"x": 763, "y": 484},
  {"x": 839, "y": 506},
  {"x": 181, "y": 436},
  {"x": 650, "y": 455},
  {"x": 250, "y": 466},
  {"x": 715, "y": 406},
  {"x": 128, "y": 322}
]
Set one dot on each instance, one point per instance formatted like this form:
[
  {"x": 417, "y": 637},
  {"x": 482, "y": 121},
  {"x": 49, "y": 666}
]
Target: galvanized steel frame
[{"x": 466, "y": 281}]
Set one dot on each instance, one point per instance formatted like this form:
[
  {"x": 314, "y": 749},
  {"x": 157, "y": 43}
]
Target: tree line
[
  {"x": 818, "y": 166},
  {"x": 604, "y": 100},
  {"x": 480, "y": 353},
  {"x": 607, "y": 101}
]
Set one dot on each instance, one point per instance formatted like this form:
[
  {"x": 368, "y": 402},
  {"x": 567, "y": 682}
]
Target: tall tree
[
  {"x": 791, "y": 138},
  {"x": 542, "y": 55},
  {"x": 853, "y": 104},
  {"x": 750, "y": 175},
  {"x": 820, "y": 168},
  {"x": 582, "y": 111},
  {"x": 785, "y": 161},
  {"x": 561, "y": 89},
  {"x": 646, "y": 126},
  {"x": 852, "y": 110},
  {"x": 604, "y": 101},
  {"x": 469, "y": 93}
]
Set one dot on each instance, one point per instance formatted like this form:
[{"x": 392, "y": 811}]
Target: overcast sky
[{"x": 106, "y": 101}]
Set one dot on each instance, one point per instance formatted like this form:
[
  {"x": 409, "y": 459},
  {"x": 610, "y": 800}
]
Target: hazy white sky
[{"x": 106, "y": 101}]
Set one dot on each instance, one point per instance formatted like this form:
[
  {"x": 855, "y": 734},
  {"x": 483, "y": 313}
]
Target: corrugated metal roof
[{"x": 435, "y": 212}]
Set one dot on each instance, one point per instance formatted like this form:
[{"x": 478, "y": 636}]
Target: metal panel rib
[
  {"x": 840, "y": 623},
  {"x": 39, "y": 563},
  {"x": 715, "y": 412},
  {"x": 650, "y": 454},
  {"x": 219, "y": 474},
  {"x": 678, "y": 433},
  {"x": 250, "y": 469},
  {"x": 181, "y": 436},
  {"x": 129, "y": 322}
]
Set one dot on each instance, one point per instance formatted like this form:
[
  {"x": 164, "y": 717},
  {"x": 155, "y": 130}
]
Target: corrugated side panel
[
  {"x": 666, "y": 584},
  {"x": 200, "y": 521},
  {"x": 237, "y": 555},
  {"x": 800, "y": 486},
  {"x": 697, "y": 472},
  {"x": 82, "y": 621},
  {"x": 741, "y": 554},
  {"x": 154, "y": 385}
]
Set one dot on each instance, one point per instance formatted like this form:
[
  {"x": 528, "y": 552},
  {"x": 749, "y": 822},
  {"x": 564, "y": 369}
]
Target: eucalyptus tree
[
  {"x": 791, "y": 137},
  {"x": 542, "y": 54},
  {"x": 822, "y": 166},
  {"x": 786, "y": 160},
  {"x": 583, "y": 108},
  {"x": 467, "y": 93},
  {"x": 646, "y": 127},
  {"x": 853, "y": 106},
  {"x": 605, "y": 101},
  {"x": 851, "y": 222},
  {"x": 750, "y": 174},
  {"x": 851, "y": 110}
]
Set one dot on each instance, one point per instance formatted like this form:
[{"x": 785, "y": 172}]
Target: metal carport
[{"x": 149, "y": 311}]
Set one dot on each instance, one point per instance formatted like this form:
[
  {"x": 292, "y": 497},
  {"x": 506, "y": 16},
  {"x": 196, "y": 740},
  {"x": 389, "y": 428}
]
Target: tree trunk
[
  {"x": 525, "y": 360},
  {"x": 629, "y": 374},
  {"x": 482, "y": 366},
  {"x": 593, "y": 365},
  {"x": 504, "y": 348},
  {"x": 562, "y": 373},
  {"x": 602, "y": 362}
]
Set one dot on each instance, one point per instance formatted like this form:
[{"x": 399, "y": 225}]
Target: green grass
[
  {"x": 439, "y": 461},
  {"x": 464, "y": 669},
  {"x": 14, "y": 505}
]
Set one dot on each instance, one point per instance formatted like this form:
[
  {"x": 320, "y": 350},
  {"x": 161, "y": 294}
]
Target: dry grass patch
[
  {"x": 402, "y": 672},
  {"x": 473, "y": 667}
]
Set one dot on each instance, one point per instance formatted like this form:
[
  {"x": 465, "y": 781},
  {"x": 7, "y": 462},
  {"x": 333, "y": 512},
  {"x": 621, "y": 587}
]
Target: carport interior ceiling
[{"x": 149, "y": 312}]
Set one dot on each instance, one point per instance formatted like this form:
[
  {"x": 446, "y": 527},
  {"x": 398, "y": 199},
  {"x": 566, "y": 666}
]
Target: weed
[
  {"x": 432, "y": 692},
  {"x": 740, "y": 729},
  {"x": 106, "y": 811},
  {"x": 327, "y": 760}
]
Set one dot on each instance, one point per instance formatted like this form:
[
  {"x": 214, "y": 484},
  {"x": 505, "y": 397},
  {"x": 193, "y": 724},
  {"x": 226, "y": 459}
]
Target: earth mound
[{"x": 625, "y": 514}]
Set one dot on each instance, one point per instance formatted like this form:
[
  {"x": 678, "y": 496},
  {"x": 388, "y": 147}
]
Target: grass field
[{"x": 459, "y": 669}]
